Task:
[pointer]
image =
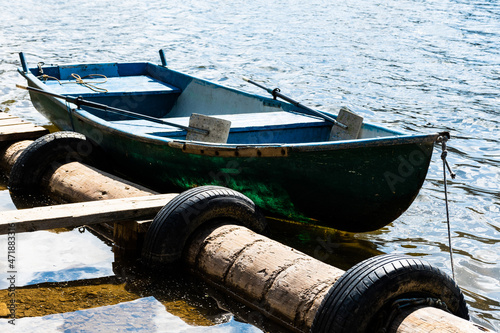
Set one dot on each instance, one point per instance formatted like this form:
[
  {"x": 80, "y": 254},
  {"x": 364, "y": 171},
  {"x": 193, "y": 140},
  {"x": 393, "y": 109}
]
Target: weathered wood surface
[
  {"x": 77, "y": 182},
  {"x": 9, "y": 153},
  {"x": 78, "y": 214},
  {"x": 278, "y": 280},
  {"x": 13, "y": 128},
  {"x": 285, "y": 284},
  {"x": 430, "y": 319}
]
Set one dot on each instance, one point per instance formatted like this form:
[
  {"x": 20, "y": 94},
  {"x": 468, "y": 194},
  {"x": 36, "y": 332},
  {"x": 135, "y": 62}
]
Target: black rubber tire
[
  {"x": 49, "y": 152},
  {"x": 360, "y": 301},
  {"x": 175, "y": 223}
]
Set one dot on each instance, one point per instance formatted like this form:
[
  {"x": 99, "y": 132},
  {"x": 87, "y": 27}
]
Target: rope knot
[
  {"x": 442, "y": 139},
  {"x": 444, "y": 154},
  {"x": 91, "y": 86}
]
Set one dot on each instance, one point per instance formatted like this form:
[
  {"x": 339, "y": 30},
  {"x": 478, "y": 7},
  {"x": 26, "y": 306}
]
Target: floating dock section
[{"x": 215, "y": 232}]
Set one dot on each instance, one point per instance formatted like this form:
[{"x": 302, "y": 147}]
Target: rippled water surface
[{"x": 419, "y": 66}]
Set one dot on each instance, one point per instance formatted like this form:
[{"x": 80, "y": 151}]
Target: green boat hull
[
  {"x": 356, "y": 187},
  {"x": 279, "y": 157}
]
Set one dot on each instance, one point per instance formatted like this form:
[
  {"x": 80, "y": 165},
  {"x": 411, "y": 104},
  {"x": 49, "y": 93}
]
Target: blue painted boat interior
[{"x": 162, "y": 93}]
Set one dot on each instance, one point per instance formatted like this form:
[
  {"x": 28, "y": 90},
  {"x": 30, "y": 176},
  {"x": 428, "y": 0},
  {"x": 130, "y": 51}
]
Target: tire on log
[
  {"x": 176, "y": 222},
  {"x": 49, "y": 152},
  {"x": 366, "y": 295}
]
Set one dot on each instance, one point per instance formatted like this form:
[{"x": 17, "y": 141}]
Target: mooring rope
[
  {"x": 46, "y": 77},
  {"x": 444, "y": 154}
]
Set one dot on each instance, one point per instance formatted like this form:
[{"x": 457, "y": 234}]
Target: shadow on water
[{"x": 181, "y": 294}]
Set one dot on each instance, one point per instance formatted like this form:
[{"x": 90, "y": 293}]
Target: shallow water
[{"x": 418, "y": 66}]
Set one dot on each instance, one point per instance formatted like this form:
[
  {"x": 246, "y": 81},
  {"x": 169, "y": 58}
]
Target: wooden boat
[{"x": 279, "y": 154}]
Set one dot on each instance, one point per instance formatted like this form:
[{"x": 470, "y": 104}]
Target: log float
[
  {"x": 288, "y": 285},
  {"x": 279, "y": 281}
]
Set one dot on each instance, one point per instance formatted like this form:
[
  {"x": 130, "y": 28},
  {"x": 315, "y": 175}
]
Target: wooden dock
[{"x": 13, "y": 128}]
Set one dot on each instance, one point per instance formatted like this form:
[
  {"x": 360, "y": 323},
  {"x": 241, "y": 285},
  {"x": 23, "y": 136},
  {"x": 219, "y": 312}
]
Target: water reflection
[{"x": 141, "y": 315}]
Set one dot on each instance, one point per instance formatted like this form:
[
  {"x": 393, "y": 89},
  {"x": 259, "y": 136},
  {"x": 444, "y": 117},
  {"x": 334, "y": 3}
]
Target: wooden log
[
  {"x": 78, "y": 214},
  {"x": 431, "y": 319},
  {"x": 70, "y": 296},
  {"x": 285, "y": 284},
  {"x": 9, "y": 153},
  {"x": 77, "y": 182}
]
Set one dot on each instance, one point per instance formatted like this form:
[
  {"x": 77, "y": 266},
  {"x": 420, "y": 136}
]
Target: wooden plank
[
  {"x": 13, "y": 128},
  {"x": 239, "y": 122},
  {"x": 78, "y": 214},
  {"x": 4, "y": 115},
  {"x": 19, "y": 127},
  {"x": 21, "y": 131},
  {"x": 12, "y": 121},
  {"x": 114, "y": 85}
]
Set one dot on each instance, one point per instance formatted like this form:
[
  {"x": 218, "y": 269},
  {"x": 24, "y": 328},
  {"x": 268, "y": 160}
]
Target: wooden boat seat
[
  {"x": 240, "y": 124},
  {"x": 115, "y": 86},
  {"x": 141, "y": 93}
]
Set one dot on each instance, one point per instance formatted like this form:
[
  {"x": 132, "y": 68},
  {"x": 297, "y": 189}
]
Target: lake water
[{"x": 413, "y": 65}]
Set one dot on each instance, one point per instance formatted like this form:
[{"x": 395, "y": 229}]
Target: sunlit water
[{"x": 418, "y": 66}]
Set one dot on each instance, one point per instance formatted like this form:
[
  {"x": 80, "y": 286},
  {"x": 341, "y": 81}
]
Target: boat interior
[{"x": 162, "y": 93}]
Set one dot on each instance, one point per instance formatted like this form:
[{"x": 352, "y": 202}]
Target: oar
[
  {"x": 79, "y": 101},
  {"x": 276, "y": 93}
]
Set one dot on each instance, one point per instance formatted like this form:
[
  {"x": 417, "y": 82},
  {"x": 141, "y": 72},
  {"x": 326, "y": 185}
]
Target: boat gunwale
[
  {"x": 296, "y": 147},
  {"x": 397, "y": 139}
]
